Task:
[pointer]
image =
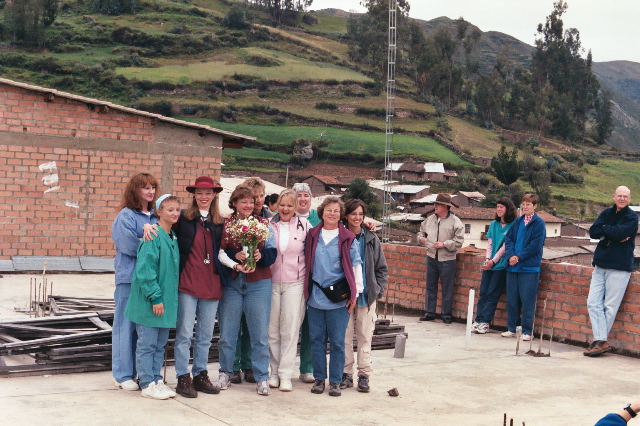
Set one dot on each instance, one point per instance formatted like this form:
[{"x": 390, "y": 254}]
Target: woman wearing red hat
[{"x": 199, "y": 230}]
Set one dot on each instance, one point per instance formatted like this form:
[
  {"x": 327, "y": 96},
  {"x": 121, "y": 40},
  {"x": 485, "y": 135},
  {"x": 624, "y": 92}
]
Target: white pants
[
  {"x": 287, "y": 313},
  {"x": 362, "y": 321}
]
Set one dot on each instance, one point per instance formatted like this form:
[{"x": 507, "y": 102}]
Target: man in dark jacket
[{"x": 616, "y": 228}]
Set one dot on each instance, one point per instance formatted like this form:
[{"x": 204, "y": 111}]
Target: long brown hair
[
  {"x": 215, "y": 217},
  {"x": 131, "y": 196}
]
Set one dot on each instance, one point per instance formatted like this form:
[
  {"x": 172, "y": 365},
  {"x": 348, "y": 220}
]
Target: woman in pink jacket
[{"x": 287, "y": 294}]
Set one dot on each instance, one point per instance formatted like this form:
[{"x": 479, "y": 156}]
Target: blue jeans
[
  {"x": 522, "y": 293},
  {"x": 490, "y": 290},
  {"x": 242, "y": 361},
  {"x": 605, "y": 295},
  {"x": 150, "y": 353},
  {"x": 254, "y": 299},
  {"x": 123, "y": 338},
  {"x": 190, "y": 308},
  {"x": 331, "y": 324}
]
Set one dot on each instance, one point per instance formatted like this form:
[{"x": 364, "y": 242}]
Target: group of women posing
[
  {"x": 294, "y": 268},
  {"x": 513, "y": 257}
]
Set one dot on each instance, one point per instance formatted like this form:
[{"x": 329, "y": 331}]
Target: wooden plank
[
  {"x": 21, "y": 347},
  {"x": 100, "y": 324},
  {"x": 37, "y": 330}
]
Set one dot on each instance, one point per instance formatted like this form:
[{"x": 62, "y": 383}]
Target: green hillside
[{"x": 282, "y": 84}]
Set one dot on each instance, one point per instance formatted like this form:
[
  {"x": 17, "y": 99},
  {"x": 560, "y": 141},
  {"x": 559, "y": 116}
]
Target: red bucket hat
[{"x": 205, "y": 182}]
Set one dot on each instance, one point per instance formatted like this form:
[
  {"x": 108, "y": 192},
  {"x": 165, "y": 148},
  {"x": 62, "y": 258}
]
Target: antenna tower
[{"x": 391, "y": 92}]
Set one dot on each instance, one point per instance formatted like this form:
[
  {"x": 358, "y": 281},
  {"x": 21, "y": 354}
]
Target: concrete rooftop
[{"x": 440, "y": 383}]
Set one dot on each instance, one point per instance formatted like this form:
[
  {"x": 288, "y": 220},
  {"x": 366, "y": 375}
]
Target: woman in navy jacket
[{"x": 523, "y": 244}]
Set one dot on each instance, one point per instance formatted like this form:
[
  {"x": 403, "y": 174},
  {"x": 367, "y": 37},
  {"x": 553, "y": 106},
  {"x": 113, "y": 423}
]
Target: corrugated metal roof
[{"x": 434, "y": 167}]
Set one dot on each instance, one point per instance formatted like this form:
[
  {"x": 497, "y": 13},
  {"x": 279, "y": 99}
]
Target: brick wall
[
  {"x": 564, "y": 286},
  {"x": 65, "y": 162}
]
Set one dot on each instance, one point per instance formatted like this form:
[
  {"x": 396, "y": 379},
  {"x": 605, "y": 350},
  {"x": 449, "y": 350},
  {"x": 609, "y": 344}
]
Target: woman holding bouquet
[
  {"x": 247, "y": 250},
  {"x": 332, "y": 257},
  {"x": 287, "y": 298}
]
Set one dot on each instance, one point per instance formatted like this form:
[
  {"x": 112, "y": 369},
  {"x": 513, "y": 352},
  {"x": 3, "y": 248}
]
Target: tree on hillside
[
  {"x": 27, "y": 20},
  {"x": 505, "y": 165},
  {"x": 284, "y": 12},
  {"x": 604, "y": 117},
  {"x": 359, "y": 188},
  {"x": 368, "y": 35},
  {"x": 563, "y": 83}
]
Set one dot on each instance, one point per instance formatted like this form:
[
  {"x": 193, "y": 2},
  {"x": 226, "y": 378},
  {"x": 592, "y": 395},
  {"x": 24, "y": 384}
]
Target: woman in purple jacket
[
  {"x": 332, "y": 255},
  {"x": 287, "y": 293}
]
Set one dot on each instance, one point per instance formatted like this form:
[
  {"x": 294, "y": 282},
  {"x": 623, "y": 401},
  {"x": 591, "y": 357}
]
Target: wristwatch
[{"x": 629, "y": 410}]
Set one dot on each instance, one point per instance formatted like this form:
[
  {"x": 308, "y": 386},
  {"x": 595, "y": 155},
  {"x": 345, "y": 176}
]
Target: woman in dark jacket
[
  {"x": 199, "y": 230},
  {"x": 363, "y": 318}
]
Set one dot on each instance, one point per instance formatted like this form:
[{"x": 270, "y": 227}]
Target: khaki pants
[
  {"x": 287, "y": 313},
  {"x": 362, "y": 321}
]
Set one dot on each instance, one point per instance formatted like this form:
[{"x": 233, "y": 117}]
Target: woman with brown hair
[
  {"x": 333, "y": 263},
  {"x": 136, "y": 211},
  {"x": 199, "y": 233},
  {"x": 247, "y": 289}
]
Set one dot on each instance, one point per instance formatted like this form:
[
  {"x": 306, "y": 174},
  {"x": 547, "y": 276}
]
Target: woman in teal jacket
[
  {"x": 153, "y": 302},
  {"x": 494, "y": 274}
]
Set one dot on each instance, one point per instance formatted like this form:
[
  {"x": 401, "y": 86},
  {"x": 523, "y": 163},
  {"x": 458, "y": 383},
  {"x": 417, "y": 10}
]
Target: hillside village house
[
  {"x": 476, "y": 222},
  {"x": 66, "y": 160},
  {"x": 418, "y": 171},
  {"x": 401, "y": 194},
  {"x": 467, "y": 198},
  {"x": 320, "y": 184}
]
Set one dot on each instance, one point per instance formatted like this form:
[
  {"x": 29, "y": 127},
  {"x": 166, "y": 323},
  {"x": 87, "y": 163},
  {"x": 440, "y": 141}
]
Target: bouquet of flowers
[{"x": 249, "y": 233}]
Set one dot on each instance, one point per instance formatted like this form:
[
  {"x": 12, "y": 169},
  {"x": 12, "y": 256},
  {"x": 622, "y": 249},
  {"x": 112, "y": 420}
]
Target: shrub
[
  {"x": 262, "y": 61},
  {"x": 330, "y": 106},
  {"x": 160, "y": 107},
  {"x": 376, "y": 112},
  {"x": 235, "y": 18}
]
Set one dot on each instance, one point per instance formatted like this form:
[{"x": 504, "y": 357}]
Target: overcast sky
[{"x": 609, "y": 28}]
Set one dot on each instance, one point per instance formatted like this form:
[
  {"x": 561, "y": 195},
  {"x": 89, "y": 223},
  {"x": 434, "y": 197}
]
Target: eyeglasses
[{"x": 337, "y": 211}]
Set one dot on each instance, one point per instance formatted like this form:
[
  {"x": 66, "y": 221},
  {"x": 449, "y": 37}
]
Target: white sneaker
[
  {"x": 166, "y": 389},
  {"x": 526, "y": 337},
  {"x": 154, "y": 392},
  {"x": 474, "y": 326},
  {"x": 286, "y": 385},
  {"x": 224, "y": 381},
  {"x": 482, "y": 328},
  {"x": 307, "y": 377},
  {"x": 508, "y": 334},
  {"x": 263, "y": 388},
  {"x": 274, "y": 381},
  {"x": 128, "y": 385}
]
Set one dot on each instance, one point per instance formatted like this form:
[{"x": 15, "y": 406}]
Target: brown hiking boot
[
  {"x": 236, "y": 378},
  {"x": 201, "y": 383},
  {"x": 587, "y": 352},
  {"x": 248, "y": 376},
  {"x": 601, "y": 348},
  {"x": 185, "y": 387}
]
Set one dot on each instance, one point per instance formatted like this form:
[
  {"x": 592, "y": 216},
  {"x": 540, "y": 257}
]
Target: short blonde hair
[{"x": 289, "y": 193}]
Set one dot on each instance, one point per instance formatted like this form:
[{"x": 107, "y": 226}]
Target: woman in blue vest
[
  {"x": 523, "y": 244},
  {"x": 494, "y": 274}
]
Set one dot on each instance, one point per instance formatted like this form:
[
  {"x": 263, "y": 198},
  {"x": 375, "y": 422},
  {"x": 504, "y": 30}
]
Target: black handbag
[{"x": 336, "y": 292}]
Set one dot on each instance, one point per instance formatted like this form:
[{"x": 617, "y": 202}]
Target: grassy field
[
  {"x": 291, "y": 68},
  {"x": 344, "y": 141},
  {"x": 600, "y": 181}
]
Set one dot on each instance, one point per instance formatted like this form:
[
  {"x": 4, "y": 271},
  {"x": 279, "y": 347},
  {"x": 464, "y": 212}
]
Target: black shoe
[
  {"x": 318, "y": 386},
  {"x": 363, "y": 384},
  {"x": 446, "y": 320},
  {"x": 347, "y": 381},
  {"x": 202, "y": 383},
  {"x": 334, "y": 389},
  {"x": 248, "y": 376},
  {"x": 427, "y": 317},
  {"x": 236, "y": 378}
]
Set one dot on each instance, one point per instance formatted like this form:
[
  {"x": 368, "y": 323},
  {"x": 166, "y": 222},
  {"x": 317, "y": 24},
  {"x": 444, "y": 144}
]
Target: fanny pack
[{"x": 336, "y": 292}]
